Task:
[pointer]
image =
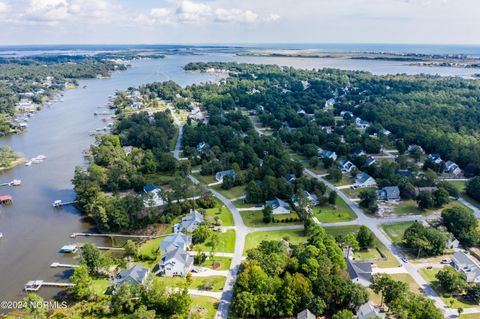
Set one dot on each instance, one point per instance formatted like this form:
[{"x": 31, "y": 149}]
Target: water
[{"x": 33, "y": 230}]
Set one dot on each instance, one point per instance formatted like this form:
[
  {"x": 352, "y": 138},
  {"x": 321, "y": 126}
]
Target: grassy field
[
  {"x": 226, "y": 243},
  {"x": 330, "y": 214},
  {"x": 455, "y": 302},
  {"x": 222, "y": 262},
  {"x": 159, "y": 179},
  {"x": 406, "y": 278},
  {"x": 239, "y": 203},
  {"x": 346, "y": 180},
  {"x": 99, "y": 286},
  {"x": 410, "y": 207},
  {"x": 254, "y": 218},
  {"x": 295, "y": 236},
  {"x": 459, "y": 185},
  {"x": 354, "y": 193},
  {"x": 211, "y": 283},
  {"x": 222, "y": 212},
  {"x": 206, "y": 307},
  {"x": 231, "y": 193},
  {"x": 395, "y": 230},
  {"x": 207, "y": 179}
]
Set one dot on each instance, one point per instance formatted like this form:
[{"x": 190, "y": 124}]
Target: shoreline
[{"x": 13, "y": 164}]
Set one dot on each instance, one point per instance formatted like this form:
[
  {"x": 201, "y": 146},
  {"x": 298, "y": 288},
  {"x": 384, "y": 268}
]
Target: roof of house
[
  {"x": 362, "y": 178},
  {"x": 389, "y": 192},
  {"x": 306, "y": 314},
  {"x": 177, "y": 255},
  {"x": 361, "y": 270},
  {"x": 175, "y": 240},
  {"x": 370, "y": 160},
  {"x": 460, "y": 258},
  {"x": 277, "y": 202},
  {"x": 192, "y": 217},
  {"x": 150, "y": 187},
  {"x": 290, "y": 177},
  {"x": 404, "y": 172},
  {"x": 135, "y": 275},
  {"x": 229, "y": 172},
  {"x": 368, "y": 311}
]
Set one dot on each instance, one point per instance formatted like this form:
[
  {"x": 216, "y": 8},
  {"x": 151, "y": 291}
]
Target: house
[
  {"x": 368, "y": 311},
  {"x": 279, "y": 206},
  {"x": 201, "y": 147},
  {"x": 453, "y": 243},
  {"x": 189, "y": 222},
  {"x": 127, "y": 150},
  {"x": 330, "y": 102},
  {"x": 464, "y": 263},
  {"x": 419, "y": 190},
  {"x": 361, "y": 123},
  {"x": 220, "y": 175},
  {"x": 345, "y": 166},
  {"x": 452, "y": 168},
  {"x": 153, "y": 196},
  {"x": 358, "y": 153},
  {"x": 386, "y": 132},
  {"x": 346, "y": 114},
  {"x": 404, "y": 173},
  {"x": 305, "y": 85},
  {"x": 137, "y": 275},
  {"x": 175, "y": 263},
  {"x": 327, "y": 129},
  {"x": 301, "y": 112},
  {"x": 290, "y": 178},
  {"x": 435, "y": 157},
  {"x": 312, "y": 199},
  {"x": 174, "y": 241},
  {"x": 359, "y": 272},
  {"x": 328, "y": 154},
  {"x": 364, "y": 180},
  {"x": 413, "y": 147},
  {"x": 306, "y": 314},
  {"x": 389, "y": 193},
  {"x": 370, "y": 161}
]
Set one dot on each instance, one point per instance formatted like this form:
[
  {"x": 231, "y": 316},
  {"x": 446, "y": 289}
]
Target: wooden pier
[
  {"x": 74, "y": 235},
  {"x": 35, "y": 285},
  {"x": 60, "y": 203},
  {"x": 60, "y": 265}
]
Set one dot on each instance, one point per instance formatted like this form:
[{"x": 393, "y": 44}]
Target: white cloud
[
  {"x": 50, "y": 11},
  {"x": 193, "y": 12},
  {"x": 235, "y": 15},
  {"x": 4, "y": 8}
]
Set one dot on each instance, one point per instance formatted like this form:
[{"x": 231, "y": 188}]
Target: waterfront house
[
  {"x": 220, "y": 175},
  {"x": 389, "y": 193},
  {"x": 153, "y": 196},
  {"x": 278, "y": 206},
  {"x": 190, "y": 222},
  {"x": 368, "y": 311},
  {"x": 464, "y": 263},
  {"x": 345, "y": 166},
  {"x": 452, "y": 168},
  {"x": 137, "y": 275},
  {"x": 359, "y": 272},
  {"x": 174, "y": 241},
  {"x": 175, "y": 263},
  {"x": 364, "y": 180}
]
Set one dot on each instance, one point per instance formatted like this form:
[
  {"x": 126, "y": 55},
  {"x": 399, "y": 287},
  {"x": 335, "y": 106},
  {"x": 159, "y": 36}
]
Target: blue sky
[{"x": 239, "y": 21}]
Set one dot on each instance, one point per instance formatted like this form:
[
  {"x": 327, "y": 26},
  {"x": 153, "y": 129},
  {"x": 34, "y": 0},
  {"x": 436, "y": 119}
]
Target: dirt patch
[{"x": 215, "y": 265}]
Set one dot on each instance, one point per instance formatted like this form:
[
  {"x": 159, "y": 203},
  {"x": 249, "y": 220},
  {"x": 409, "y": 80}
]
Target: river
[{"x": 33, "y": 230}]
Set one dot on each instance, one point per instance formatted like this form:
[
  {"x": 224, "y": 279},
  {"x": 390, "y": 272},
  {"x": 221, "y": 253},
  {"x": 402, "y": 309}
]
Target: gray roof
[
  {"x": 135, "y": 275},
  {"x": 230, "y": 172},
  {"x": 178, "y": 255},
  {"x": 306, "y": 314},
  {"x": 366, "y": 311},
  {"x": 361, "y": 178},
  {"x": 277, "y": 203},
  {"x": 388, "y": 193},
  {"x": 192, "y": 218},
  {"x": 175, "y": 240},
  {"x": 361, "y": 270}
]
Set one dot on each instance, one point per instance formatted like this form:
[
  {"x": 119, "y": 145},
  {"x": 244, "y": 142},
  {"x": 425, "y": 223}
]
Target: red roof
[{"x": 5, "y": 198}]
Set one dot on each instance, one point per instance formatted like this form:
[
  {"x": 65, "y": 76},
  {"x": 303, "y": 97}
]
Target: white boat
[
  {"x": 1, "y": 235},
  {"x": 16, "y": 182},
  {"x": 28, "y": 163},
  {"x": 41, "y": 157}
]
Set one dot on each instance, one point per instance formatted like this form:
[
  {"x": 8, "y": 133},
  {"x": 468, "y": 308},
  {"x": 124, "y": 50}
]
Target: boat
[
  {"x": 57, "y": 203},
  {"x": 28, "y": 163},
  {"x": 1, "y": 235},
  {"x": 69, "y": 249},
  {"x": 16, "y": 182},
  {"x": 42, "y": 157},
  {"x": 5, "y": 200}
]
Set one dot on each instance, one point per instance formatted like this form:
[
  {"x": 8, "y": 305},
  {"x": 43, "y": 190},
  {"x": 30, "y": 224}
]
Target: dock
[
  {"x": 60, "y": 203},
  {"x": 15, "y": 182},
  {"x": 60, "y": 265},
  {"x": 74, "y": 235},
  {"x": 111, "y": 248},
  {"x": 35, "y": 285}
]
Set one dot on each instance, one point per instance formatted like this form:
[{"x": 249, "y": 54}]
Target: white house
[
  {"x": 201, "y": 147},
  {"x": 345, "y": 166},
  {"x": 175, "y": 263},
  {"x": 364, "y": 180},
  {"x": 279, "y": 206},
  {"x": 465, "y": 264},
  {"x": 174, "y": 241},
  {"x": 330, "y": 102},
  {"x": 359, "y": 272},
  {"x": 452, "y": 168},
  {"x": 220, "y": 175},
  {"x": 328, "y": 154},
  {"x": 361, "y": 123},
  {"x": 370, "y": 161},
  {"x": 190, "y": 222},
  {"x": 153, "y": 196},
  {"x": 435, "y": 157},
  {"x": 368, "y": 311}
]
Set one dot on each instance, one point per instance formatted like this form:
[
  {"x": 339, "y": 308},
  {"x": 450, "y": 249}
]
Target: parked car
[
  {"x": 445, "y": 261},
  {"x": 404, "y": 259}
]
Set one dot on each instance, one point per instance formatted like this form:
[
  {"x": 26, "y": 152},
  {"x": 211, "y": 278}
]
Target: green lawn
[
  {"x": 211, "y": 283},
  {"x": 459, "y": 185},
  {"x": 410, "y": 207},
  {"x": 231, "y": 193},
  {"x": 395, "y": 230},
  {"x": 222, "y": 212},
  {"x": 454, "y": 301},
  {"x": 226, "y": 243},
  {"x": 295, "y": 236},
  {"x": 254, "y": 218},
  {"x": 406, "y": 278},
  {"x": 222, "y": 262},
  {"x": 159, "y": 179},
  {"x": 100, "y": 285},
  {"x": 239, "y": 203},
  {"x": 330, "y": 214},
  {"x": 206, "y": 307},
  {"x": 346, "y": 180},
  {"x": 354, "y": 193},
  {"x": 150, "y": 248},
  {"x": 207, "y": 179},
  {"x": 470, "y": 316}
]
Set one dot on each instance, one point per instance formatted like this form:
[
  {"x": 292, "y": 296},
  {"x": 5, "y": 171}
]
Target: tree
[
  {"x": 334, "y": 174},
  {"x": 126, "y": 298},
  {"x": 344, "y": 314},
  {"x": 390, "y": 289},
  {"x": 82, "y": 280},
  {"x": 201, "y": 234},
  {"x": 228, "y": 182},
  {"x": 368, "y": 198},
  {"x": 131, "y": 249},
  {"x": 365, "y": 237},
  {"x": 425, "y": 200},
  {"x": 332, "y": 197},
  {"x": 267, "y": 214},
  {"x": 93, "y": 258},
  {"x": 35, "y": 306},
  {"x": 462, "y": 224},
  {"x": 441, "y": 197},
  {"x": 473, "y": 188},
  {"x": 348, "y": 241},
  {"x": 253, "y": 193},
  {"x": 451, "y": 280},
  {"x": 425, "y": 241},
  {"x": 473, "y": 293}
]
